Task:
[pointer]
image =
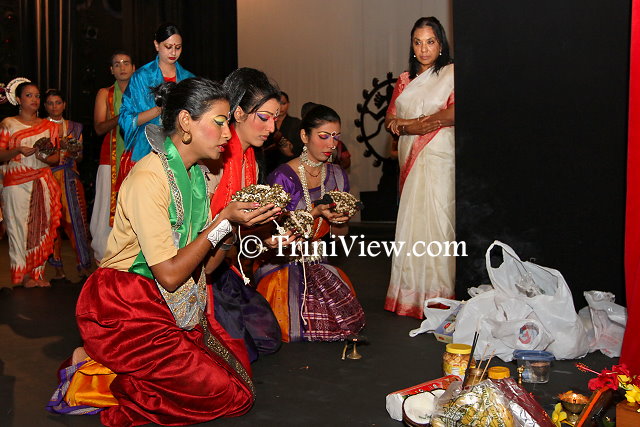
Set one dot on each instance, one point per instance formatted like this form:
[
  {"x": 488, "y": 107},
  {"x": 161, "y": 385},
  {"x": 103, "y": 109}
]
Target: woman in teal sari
[{"x": 138, "y": 107}]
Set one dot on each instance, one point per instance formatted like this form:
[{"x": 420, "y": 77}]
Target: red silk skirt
[{"x": 165, "y": 374}]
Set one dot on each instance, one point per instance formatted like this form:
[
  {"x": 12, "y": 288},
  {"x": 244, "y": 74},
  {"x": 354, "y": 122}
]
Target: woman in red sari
[
  {"x": 255, "y": 106},
  {"x": 153, "y": 351}
]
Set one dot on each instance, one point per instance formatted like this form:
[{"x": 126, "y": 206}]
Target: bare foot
[
  {"x": 30, "y": 283},
  {"x": 78, "y": 355},
  {"x": 43, "y": 284}
]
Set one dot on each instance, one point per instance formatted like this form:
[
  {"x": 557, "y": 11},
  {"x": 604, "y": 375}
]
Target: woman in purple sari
[
  {"x": 74, "y": 221},
  {"x": 312, "y": 300}
]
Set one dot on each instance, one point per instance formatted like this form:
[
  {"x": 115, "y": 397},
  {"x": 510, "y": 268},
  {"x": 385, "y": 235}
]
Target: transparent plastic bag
[
  {"x": 482, "y": 405},
  {"x": 527, "y": 412},
  {"x": 607, "y": 320}
]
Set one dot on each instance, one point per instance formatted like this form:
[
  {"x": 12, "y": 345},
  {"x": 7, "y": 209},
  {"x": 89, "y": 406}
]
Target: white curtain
[{"x": 328, "y": 51}]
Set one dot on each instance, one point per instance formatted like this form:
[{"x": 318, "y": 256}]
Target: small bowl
[
  {"x": 570, "y": 401},
  {"x": 574, "y": 408}
]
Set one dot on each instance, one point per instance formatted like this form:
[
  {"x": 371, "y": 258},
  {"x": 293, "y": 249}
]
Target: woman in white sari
[{"x": 421, "y": 112}]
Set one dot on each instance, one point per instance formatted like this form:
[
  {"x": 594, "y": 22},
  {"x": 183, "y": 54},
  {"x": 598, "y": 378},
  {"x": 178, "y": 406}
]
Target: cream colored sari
[{"x": 427, "y": 202}]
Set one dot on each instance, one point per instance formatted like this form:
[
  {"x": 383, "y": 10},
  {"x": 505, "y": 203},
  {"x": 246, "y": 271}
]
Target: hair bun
[
  {"x": 306, "y": 108},
  {"x": 161, "y": 92}
]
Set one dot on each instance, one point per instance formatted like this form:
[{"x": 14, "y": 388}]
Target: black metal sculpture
[
  {"x": 381, "y": 204},
  {"x": 378, "y": 98}
]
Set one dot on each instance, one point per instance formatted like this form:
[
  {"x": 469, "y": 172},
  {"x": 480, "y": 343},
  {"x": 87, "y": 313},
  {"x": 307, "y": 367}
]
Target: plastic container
[
  {"x": 498, "y": 372},
  {"x": 456, "y": 359},
  {"x": 537, "y": 365}
]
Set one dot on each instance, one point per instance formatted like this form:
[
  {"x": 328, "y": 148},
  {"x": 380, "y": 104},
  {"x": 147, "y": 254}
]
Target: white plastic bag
[
  {"x": 475, "y": 291},
  {"x": 608, "y": 321},
  {"x": 504, "y": 324},
  {"x": 527, "y": 300},
  {"x": 435, "y": 316}
]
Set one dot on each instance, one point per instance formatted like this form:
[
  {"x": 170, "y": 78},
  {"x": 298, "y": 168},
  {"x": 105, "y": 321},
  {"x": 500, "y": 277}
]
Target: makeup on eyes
[
  {"x": 326, "y": 135},
  {"x": 221, "y": 119},
  {"x": 266, "y": 115}
]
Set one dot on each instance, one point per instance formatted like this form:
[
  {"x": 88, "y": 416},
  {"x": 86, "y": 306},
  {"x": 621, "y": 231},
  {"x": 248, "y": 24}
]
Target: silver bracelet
[
  {"x": 227, "y": 246},
  {"x": 219, "y": 232}
]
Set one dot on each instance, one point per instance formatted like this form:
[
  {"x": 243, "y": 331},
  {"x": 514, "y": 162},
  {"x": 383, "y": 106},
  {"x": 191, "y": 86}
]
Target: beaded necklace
[
  {"x": 307, "y": 199},
  {"x": 305, "y": 187},
  {"x": 304, "y": 158}
]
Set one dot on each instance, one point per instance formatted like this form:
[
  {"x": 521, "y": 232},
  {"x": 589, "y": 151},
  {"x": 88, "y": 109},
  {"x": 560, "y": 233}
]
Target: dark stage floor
[{"x": 304, "y": 384}]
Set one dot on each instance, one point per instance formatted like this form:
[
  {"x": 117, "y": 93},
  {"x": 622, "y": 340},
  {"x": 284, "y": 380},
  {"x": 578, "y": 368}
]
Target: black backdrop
[
  {"x": 67, "y": 44},
  {"x": 208, "y": 29},
  {"x": 541, "y": 134}
]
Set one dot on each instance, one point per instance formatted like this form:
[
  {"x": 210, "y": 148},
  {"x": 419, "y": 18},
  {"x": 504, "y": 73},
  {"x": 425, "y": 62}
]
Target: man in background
[
  {"x": 285, "y": 143},
  {"x": 105, "y": 122}
]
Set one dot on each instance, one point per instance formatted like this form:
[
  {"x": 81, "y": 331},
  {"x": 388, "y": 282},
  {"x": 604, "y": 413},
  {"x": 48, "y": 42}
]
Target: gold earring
[{"x": 187, "y": 140}]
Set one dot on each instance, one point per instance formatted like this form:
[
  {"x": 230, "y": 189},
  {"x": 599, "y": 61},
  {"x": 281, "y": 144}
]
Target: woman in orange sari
[{"x": 31, "y": 195}]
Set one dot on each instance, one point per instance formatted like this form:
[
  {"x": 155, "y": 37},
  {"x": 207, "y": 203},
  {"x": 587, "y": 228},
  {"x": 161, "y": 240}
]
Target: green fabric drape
[{"x": 192, "y": 189}]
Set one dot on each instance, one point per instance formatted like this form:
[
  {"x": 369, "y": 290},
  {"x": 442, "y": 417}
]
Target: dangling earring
[
  {"x": 414, "y": 55},
  {"x": 440, "y": 53},
  {"x": 304, "y": 148},
  {"x": 186, "y": 141}
]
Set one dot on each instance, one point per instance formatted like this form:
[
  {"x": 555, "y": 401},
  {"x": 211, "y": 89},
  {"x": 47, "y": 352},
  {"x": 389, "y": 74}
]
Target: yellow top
[
  {"x": 499, "y": 372},
  {"x": 459, "y": 348},
  {"x": 141, "y": 221}
]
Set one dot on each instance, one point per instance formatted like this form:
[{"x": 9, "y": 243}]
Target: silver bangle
[
  {"x": 219, "y": 232},
  {"x": 227, "y": 246}
]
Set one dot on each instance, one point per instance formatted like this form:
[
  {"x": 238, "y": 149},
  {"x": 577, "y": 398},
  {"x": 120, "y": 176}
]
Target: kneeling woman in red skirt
[{"x": 153, "y": 351}]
